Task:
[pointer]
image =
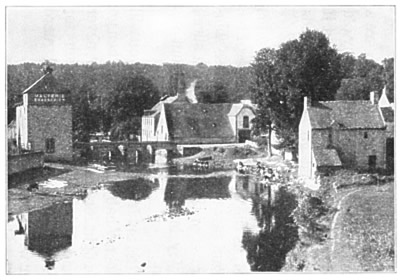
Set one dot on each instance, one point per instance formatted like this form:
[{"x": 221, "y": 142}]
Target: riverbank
[
  {"x": 354, "y": 225},
  {"x": 222, "y": 158},
  {"x": 359, "y": 233},
  {"x": 58, "y": 183}
]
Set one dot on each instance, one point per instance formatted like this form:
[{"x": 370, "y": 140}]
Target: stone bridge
[{"x": 130, "y": 152}]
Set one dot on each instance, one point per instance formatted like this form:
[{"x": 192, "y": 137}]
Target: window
[
  {"x": 50, "y": 145},
  {"x": 245, "y": 122},
  {"x": 365, "y": 135},
  {"x": 330, "y": 138},
  {"x": 372, "y": 162}
]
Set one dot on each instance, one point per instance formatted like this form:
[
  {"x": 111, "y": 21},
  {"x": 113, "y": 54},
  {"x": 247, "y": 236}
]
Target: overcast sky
[{"x": 212, "y": 35}]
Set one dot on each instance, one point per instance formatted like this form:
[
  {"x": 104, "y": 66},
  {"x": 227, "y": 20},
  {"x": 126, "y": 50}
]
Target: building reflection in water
[
  {"x": 272, "y": 206},
  {"x": 178, "y": 189},
  {"x": 137, "y": 189},
  {"x": 48, "y": 231}
]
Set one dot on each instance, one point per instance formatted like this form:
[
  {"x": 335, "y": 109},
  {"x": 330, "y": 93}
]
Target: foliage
[
  {"x": 84, "y": 116},
  {"x": 307, "y": 66},
  {"x": 363, "y": 77},
  {"x": 127, "y": 102},
  {"x": 388, "y": 77},
  {"x": 212, "y": 93},
  {"x": 312, "y": 212}
]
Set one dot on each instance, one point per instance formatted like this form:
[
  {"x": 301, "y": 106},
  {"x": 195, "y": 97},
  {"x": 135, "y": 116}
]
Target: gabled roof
[
  {"x": 237, "y": 107},
  {"x": 179, "y": 98},
  {"x": 383, "y": 100},
  {"x": 346, "y": 115},
  {"x": 326, "y": 157},
  {"x": 388, "y": 114},
  {"x": 198, "y": 120},
  {"x": 45, "y": 84}
]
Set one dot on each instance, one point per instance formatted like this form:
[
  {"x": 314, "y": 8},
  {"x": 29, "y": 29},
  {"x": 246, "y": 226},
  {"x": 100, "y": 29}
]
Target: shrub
[{"x": 311, "y": 212}]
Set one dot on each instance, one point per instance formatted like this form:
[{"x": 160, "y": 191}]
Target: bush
[{"x": 311, "y": 213}]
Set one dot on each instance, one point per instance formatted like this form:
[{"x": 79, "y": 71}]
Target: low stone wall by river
[{"x": 23, "y": 162}]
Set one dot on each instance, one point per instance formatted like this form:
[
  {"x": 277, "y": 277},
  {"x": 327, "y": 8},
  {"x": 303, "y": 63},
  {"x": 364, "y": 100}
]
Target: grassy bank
[
  {"x": 351, "y": 229},
  {"x": 367, "y": 227}
]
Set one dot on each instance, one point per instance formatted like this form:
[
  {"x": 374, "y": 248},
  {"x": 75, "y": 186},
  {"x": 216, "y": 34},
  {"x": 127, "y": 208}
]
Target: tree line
[
  {"x": 112, "y": 96},
  {"x": 309, "y": 66}
]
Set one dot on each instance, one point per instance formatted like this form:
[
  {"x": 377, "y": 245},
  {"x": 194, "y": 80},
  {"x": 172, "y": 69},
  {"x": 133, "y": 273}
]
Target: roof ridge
[{"x": 35, "y": 83}]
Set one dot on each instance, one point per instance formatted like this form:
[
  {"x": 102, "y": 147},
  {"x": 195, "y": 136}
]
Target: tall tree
[
  {"x": 388, "y": 76},
  {"x": 127, "y": 102},
  {"x": 84, "y": 117},
  {"x": 307, "y": 66},
  {"x": 266, "y": 91},
  {"x": 367, "y": 76}
]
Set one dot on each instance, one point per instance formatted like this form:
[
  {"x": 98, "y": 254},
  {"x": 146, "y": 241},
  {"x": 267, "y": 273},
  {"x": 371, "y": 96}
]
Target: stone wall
[
  {"x": 51, "y": 122},
  {"x": 354, "y": 148},
  {"x": 23, "y": 162}
]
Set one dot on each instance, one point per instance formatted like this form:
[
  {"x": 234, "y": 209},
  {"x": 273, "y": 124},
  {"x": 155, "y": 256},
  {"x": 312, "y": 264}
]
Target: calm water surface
[{"x": 166, "y": 224}]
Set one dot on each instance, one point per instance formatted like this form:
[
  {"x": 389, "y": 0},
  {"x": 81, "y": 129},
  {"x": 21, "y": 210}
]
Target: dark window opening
[
  {"x": 50, "y": 145},
  {"x": 246, "y": 122},
  {"x": 372, "y": 162},
  {"x": 365, "y": 135},
  {"x": 330, "y": 138}
]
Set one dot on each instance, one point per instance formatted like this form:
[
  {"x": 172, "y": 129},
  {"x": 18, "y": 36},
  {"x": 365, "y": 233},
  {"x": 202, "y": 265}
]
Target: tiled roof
[
  {"x": 199, "y": 121},
  {"x": 388, "y": 114},
  {"x": 45, "y": 84},
  {"x": 346, "y": 114},
  {"x": 326, "y": 157}
]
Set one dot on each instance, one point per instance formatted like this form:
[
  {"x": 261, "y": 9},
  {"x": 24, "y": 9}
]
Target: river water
[{"x": 204, "y": 223}]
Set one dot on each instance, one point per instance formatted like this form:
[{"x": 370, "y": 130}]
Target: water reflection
[
  {"x": 47, "y": 231},
  {"x": 272, "y": 206},
  {"x": 218, "y": 224},
  {"x": 178, "y": 189},
  {"x": 137, "y": 189}
]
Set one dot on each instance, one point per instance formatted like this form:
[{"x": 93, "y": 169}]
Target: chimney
[
  {"x": 372, "y": 97},
  {"x": 307, "y": 102}
]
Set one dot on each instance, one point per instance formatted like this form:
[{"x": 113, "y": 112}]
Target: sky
[{"x": 212, "y": 35}]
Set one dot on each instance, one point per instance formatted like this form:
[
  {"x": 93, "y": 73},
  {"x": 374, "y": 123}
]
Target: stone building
[
  {"x": 182, "y": 121},
  {"x": 336, "y": 134},
  {"x": 44, "y": 119},
  {"x": 387, "y": 111}
]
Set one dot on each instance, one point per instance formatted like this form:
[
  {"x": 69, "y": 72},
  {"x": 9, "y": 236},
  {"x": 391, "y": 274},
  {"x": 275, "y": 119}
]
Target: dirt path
[{"x": 340, "y": 250}]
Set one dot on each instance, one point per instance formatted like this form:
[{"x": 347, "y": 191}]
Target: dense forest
[{"x": 112, "y": 96}]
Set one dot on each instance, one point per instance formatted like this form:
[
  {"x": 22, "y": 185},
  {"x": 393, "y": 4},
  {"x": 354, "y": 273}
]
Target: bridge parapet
[{"x": 132, "y": 152}]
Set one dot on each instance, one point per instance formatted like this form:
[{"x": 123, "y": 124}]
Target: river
[{"x": 200, "y": 223}]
